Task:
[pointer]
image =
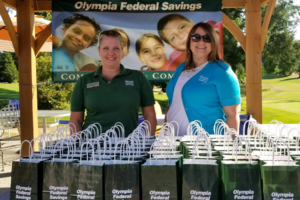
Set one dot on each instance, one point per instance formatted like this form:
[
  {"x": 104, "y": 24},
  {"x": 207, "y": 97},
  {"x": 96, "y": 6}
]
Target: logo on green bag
[
  {"x": 122, "y": 194},
  {"x": 282, "y": 196},
  {"x": 243, "y": 194},
  {"x": 159, "y": 194},
  {"x": 200, "y": 195},
  {"x": 58, "y": 192},
  {"x": 86, "y": 194},
  {"x": 23, "y": 192}
]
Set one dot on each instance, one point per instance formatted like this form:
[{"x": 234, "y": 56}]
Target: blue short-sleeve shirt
[{"x": 205, "y": 94}]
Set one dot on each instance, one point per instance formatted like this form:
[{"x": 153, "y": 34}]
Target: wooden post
[
  {"x": 253, "y": 59},
  {"x": 27, "y": 71}
]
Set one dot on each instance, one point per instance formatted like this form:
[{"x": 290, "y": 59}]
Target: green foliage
[
  {"x": 281, "y": 52},
  {"x": 8, "y": 70},
  {"x": 51, "y": 96},
  {"x": 240, "y": 73},
  {"x": 233, "y": 52}
]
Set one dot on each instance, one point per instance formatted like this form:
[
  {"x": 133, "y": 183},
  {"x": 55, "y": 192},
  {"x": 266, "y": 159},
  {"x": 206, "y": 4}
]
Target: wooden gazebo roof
[{"x": 27, "y": 47}]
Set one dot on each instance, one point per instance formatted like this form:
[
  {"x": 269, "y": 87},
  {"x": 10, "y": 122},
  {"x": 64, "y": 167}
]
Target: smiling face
[
  {"x": 176, "y": 32},
  {"x": 200, "y": 49},
  {"x": 152, "y": 53},
  {"x": 78, "y": 36},
  {"x": 110, "y": 51}
]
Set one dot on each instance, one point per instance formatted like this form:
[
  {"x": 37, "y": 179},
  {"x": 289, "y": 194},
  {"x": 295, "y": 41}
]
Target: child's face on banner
[
  {"x": 177, "y": 32},
  {"x": 79, "y": 35},
  {"x": 153, "y": 53}
]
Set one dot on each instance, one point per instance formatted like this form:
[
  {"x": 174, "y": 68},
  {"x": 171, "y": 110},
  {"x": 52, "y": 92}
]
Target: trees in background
[
  {"x": 8, "y": 69},
  {"x": 51, "y": 96},
  {"x": 281, "y": 51}
]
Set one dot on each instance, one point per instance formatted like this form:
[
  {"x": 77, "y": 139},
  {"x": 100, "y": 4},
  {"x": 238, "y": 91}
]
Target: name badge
[{"x": 90, "y": 85}]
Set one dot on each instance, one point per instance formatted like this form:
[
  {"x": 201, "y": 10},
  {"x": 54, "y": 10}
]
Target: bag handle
[
  {"x": 96, "y": 140},
  {"x": 30, "y": 150},
  {"x": 159, "y": 146},
  {"x": 61, "y": 143},
  {"x": 207, "y": 144},
  {"x": 94, "y": 127},
  {"x": 72, "y": 128},
  {"x": 217, "y": 125},
  {"x": 283, "y": 128},
  {"x": 119, "y": 128},
  {"x": 87, "y": 154},
  {"x": 106, "y": 138},
  {"x": 276, "y": 141}
]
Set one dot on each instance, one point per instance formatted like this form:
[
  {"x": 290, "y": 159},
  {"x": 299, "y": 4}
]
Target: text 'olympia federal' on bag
[
  {"x": 281, "y": 182},
  {"x": 142, "y": 25},
  {"x": 122, "y": 180},
  {"x": 88, "y": 175},
  {"x": 27, "y": 177},
  {"x": 200, "y": 179},
  {"x": 241, "y": 180},
  {"x": 160, "y": 179}
]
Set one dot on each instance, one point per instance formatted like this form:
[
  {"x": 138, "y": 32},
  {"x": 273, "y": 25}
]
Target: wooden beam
[
  {"x": 27, "y": 72},
  {"x": 42, "y": 6},
  {"x": 253, "y": 59},
  {"x": 263, "y": 2},
  {"x": 9, "y": 26},
  {"x": 266, "y": 22},
  {"x": 42, "y": 38},
  {"x": 233, "y": 3},
  {"x": 10, "y": 3},
  {"x": 234, "y": 30}
]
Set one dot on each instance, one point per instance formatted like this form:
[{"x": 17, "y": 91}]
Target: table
[{"x": 57, "y": 114}]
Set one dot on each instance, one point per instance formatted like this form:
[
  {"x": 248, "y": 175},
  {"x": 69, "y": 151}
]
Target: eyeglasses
[
  {"x": 110, "y": 33},
  {"x": 196, "y": 38}
]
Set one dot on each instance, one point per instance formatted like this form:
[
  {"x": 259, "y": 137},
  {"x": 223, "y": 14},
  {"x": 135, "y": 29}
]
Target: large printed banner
[{"x": 154, "y": 34}]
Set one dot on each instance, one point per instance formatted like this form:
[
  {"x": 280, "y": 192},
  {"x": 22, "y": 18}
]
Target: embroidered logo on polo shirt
[
  {"x": 203, "y": 79},
  {"x": 90, "y": 85},
  {"x": 131, "y": 83}
]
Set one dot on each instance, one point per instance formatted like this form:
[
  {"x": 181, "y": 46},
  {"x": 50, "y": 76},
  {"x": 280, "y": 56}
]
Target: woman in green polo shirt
[{"x": 112, "y": 93}]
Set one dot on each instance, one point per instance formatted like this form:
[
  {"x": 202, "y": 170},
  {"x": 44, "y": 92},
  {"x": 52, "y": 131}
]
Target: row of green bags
[
  {"x": 40, "y": 179},
  {"x": 66, "y": 179}
]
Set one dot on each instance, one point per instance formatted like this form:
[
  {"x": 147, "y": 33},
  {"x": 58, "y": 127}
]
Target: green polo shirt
[{"x": 108, "y": 102}]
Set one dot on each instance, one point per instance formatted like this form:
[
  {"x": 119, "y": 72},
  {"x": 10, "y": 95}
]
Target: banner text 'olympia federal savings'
[{"x": 124, "y": 6}]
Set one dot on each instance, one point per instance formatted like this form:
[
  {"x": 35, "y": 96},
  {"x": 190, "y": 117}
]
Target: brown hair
[
  {"x": 144, "y": 38},
  {"x": 110, "y": 33},
  {"x": 213, "y": 56},
  {"x": 162, "y": 23},
  {"x": 122, "y": 31}
]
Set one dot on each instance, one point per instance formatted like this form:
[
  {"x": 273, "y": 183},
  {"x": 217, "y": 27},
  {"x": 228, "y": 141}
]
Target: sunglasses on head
[
  {"x": 110, "y": 33},
  {"x": 196, "y": 38}
]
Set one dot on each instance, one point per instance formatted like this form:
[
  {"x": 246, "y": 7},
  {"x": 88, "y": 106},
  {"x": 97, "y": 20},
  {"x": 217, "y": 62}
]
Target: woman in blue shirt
[{"x": 203, "y": 88}]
